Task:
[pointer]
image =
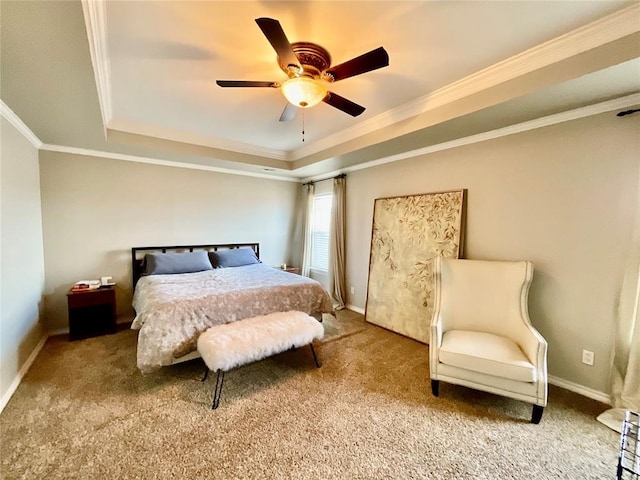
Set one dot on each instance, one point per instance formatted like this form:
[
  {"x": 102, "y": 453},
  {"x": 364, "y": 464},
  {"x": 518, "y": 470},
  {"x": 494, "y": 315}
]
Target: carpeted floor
[{"x": 84, "y": 411}]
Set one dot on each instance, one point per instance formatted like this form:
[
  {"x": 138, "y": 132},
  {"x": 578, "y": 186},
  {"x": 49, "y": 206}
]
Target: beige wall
[
  {"x": 564, "y": 197},
  {"x": 22, "y": 272},
  {"x": 95, "y": 209}
]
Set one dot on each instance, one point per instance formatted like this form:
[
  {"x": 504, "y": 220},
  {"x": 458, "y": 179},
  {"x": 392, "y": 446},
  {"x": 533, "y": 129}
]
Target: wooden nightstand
[
  {"x": 295, "y": 270},
  {"x": 92, "y": 312}
]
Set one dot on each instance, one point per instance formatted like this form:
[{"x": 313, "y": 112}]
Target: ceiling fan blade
[
  {"x": 246, "y": 83},
  {"x": 341, "y": 103},
  {"x": 278, "y": 40},
  {"x": 289, "y": 112},
  {"x": 366, "y": 62}
]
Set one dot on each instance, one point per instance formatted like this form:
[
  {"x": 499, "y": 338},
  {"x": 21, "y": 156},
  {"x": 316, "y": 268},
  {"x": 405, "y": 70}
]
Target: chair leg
[
  {"x": 435, "y": 387},
  {"x": 217, "y": 391},
  {"x": 536, "y": 415},
  {"x": 315, "y": 358},
  {"x": 206, "y": 374}
]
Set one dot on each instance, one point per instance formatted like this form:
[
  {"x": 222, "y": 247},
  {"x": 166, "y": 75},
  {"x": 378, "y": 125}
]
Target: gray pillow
[
  {"x": 234, "y": 257},
  {"x": 169, "y": 263}
]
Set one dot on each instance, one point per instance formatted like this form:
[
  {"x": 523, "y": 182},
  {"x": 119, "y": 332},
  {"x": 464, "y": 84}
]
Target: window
[{"x": 320, "y": 223}]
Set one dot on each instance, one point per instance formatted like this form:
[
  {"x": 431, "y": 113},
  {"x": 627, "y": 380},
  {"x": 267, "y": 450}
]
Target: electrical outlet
[
  {"x": 353, "y": 290},
  {"x": 587, "y": 357}
]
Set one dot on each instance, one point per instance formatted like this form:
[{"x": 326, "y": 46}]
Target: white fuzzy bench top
[{"x": 224, "y": 347}]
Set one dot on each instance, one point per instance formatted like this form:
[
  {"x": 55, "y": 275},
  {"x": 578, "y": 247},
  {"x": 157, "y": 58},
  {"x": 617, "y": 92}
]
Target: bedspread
[{"x": 172, "y": 310}]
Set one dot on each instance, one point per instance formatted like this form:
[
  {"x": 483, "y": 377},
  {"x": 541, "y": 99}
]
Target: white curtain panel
[
  {"x": 306, "y": 248},
  {"x": 625, "y": 372},
  {"x": 337, "y": 243}
]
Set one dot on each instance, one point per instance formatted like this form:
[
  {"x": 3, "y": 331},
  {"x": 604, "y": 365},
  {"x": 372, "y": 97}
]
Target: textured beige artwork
[{"x": 408, "y": 233}]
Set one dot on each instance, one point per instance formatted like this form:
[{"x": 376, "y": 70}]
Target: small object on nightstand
[
  {"x": 85, "y": 285},
  {"x": 92, "y": 311},
  {"x": 295, "y": 270}
]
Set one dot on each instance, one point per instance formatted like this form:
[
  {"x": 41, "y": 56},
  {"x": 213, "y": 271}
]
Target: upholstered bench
[{"x": 224, "y": 347}]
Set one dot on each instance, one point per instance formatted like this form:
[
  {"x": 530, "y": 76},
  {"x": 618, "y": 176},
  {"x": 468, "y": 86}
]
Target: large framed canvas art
[{"x": 407, "y": 234}]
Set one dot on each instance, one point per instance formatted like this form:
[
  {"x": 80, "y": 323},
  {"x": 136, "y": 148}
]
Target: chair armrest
[
  {"x": 435, "y": 337},
  {"x": 435, "y": 333},
  {"x": 535, "y": 348},
  {"x": 435, "y": 341},
  {"x": 435, "y": 329},
  {"x": 532, "y": 344}
]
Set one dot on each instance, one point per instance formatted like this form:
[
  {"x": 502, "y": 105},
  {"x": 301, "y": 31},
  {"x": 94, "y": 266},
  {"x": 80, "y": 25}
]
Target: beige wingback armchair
[{"x": 481, "y": 336}]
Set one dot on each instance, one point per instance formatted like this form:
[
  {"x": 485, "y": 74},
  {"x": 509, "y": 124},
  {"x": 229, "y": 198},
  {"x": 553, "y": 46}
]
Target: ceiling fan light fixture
[{"x": 303, "y": 92}]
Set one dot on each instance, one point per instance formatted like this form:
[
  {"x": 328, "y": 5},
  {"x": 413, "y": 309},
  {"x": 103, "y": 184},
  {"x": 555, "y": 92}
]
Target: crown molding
[
  {"x": 164, "y": 133},
  {"x": 155, "y": 161},
  {"x": 603, "y": 107},
  {"x": 95, "y": 16},
  {"x": 14, "y": 120},
  {"x": 95, "y": 20},
  {"x": 608, "y": 29},
  {"x": 613, "y": 27},
  {"x": 569, "y": 115}
]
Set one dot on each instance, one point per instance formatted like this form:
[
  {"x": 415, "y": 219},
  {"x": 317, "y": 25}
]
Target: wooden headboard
[{"x": 138, "y": 253}]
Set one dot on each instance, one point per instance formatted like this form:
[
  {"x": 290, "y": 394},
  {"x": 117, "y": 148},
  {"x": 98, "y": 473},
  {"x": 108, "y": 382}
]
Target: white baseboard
[
  {"x": 355, "y": 309},
  {"x": 59, "y": 331},
  {"x": 65, "y": 330},
  {"x": 23, "y": 371},
  {"x": 580, "y": 389},
  {"x": 558, "y": 382},
  {"x": 25, "y": 367}
]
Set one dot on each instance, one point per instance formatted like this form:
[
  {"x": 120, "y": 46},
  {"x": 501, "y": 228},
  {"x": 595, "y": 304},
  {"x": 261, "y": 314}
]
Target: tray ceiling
[{"x": 477, "y": 65}]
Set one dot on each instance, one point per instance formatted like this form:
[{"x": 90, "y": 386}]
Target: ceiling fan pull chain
[{"x": 303, "y": 124}]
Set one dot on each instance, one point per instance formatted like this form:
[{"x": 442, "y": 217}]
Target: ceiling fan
[{"x": 309, "y": 69}]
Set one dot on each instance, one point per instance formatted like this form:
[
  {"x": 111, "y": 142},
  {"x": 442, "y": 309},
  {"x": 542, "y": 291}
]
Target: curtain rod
[{"x": 342, "y": 175}]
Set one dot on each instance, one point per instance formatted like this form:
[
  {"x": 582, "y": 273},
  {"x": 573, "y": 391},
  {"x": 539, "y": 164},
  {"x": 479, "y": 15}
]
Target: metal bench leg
[
  {"x": 315, "y": 359},
  {"x": 217, "y": 391}
]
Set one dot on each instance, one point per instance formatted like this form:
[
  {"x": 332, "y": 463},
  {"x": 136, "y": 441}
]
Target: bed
[{"x": 199, "y": 286}]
